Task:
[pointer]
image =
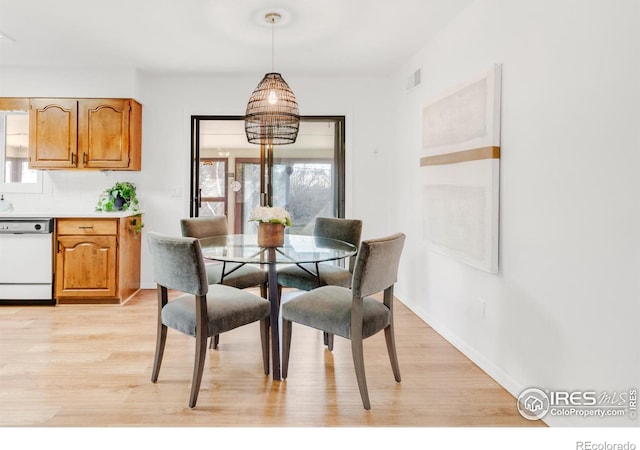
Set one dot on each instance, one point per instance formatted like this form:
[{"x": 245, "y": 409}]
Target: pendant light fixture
[{"x": 272, "y": 116}]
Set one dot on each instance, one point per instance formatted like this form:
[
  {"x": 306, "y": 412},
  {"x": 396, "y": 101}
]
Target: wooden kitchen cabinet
[
  {"x": 97, "y": 260},
  {"x": 103, "y": 134},
  {"x": 53, "y": 127}
]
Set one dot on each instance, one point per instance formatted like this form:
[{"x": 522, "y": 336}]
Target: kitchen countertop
[{"x": 64, "y": 214}]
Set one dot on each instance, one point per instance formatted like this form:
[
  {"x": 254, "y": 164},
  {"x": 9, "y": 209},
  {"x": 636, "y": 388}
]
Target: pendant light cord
[
  {"x": 273, "y": 19},
  {"x": 272, "y": 44}
]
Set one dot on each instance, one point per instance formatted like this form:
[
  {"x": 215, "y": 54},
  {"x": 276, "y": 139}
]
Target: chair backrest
[
  {"x": 377, "y": 265},
  {"x": 202, "y": 227},
  {"x": 347, "y": 230},
  {"x": 178, "y": 264}
]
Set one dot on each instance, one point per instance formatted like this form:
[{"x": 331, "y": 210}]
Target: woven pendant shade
[{"x": 272, "y": 115}]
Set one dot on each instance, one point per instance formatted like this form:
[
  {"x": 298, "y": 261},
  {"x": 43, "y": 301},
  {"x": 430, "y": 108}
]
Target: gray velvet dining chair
[
  {"x": 310, "y": 276},
  {"x": 353, "y": 313},
  {"x": 203, "y": 310},
  {"x": 237, "y": 275}
]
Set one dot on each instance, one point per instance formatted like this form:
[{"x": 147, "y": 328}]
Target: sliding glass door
[{"x": 306, "y": 178}]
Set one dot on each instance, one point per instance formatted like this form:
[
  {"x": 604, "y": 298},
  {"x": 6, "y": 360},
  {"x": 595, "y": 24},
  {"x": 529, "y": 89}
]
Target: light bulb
[{"x": 273, "y": 98}]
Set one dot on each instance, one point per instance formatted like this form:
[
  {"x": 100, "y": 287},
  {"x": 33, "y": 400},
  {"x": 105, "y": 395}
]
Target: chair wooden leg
[
  {"x": 215, "y": 340},
  {"x": 161, "y": 339},
  {"x": 391, "y": 349},
  {"x": 263, "y": 290},
  {"x": 264, "y": 339},
  {"x": 161, "y": 334},
  {"x": 201, "y": 348},
  {"x": 198, "y": 368},
  {"x": 328, "y": 340},
  {"x": 358, "y": 362},
  {"x": 286, "y": 346}
]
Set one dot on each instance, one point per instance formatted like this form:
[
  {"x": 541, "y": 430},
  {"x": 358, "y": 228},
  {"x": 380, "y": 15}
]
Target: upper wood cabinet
[
  {"x": 53, "y": 126},
  {"x": 85, "y": 134}
]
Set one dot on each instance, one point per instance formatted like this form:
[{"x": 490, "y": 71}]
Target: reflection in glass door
[
  {"x": 308, "y": 176},
  {"x": 212, "y": 187},
  {"x": 302, "y": 187}
]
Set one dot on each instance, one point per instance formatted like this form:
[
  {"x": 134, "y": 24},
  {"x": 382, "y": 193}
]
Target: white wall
[
  {"x": 78, "y": 82},
  {"x": 562, "y": 314}
]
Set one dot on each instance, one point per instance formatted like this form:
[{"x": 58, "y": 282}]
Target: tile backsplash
[{"x": 69, "y": 190}]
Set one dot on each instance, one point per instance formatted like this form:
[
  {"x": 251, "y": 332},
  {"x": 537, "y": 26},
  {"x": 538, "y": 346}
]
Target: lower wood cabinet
[{"x": 97, "y": 260}]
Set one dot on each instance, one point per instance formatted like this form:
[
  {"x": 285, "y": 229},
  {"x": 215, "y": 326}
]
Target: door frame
[{"x": 339, "y": 160}]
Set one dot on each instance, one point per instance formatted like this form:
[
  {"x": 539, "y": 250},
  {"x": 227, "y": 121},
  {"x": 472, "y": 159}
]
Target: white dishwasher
[{"x": 26, "y": 260}]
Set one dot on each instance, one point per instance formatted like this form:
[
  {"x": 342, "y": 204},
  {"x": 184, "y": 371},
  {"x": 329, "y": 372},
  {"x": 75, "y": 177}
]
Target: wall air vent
[{"x": 414, "y": 80}]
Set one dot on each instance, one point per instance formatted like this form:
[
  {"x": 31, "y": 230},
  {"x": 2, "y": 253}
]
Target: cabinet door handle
[
  {"x": 73, "y": 159},
  {"x": 84, "y": 158},
  {"x": 86, "y": 227}
]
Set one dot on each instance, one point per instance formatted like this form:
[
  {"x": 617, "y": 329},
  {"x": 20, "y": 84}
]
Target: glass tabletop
[{"x": 244, "y": 248}]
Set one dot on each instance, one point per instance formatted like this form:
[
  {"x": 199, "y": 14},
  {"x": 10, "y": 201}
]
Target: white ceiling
[{"x": 228, "y": 37}]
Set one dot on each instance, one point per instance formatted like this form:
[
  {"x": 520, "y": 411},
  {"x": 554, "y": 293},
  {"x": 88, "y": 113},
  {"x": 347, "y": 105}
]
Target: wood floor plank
[{"x": 90, "y": 366}]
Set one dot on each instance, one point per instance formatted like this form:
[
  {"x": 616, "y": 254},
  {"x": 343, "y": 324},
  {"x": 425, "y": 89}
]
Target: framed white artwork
[{"x": 460, "y": 167}]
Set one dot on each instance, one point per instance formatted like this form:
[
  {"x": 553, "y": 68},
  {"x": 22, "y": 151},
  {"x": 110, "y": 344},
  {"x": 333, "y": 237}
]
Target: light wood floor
[{"x": 89, "y": 366}]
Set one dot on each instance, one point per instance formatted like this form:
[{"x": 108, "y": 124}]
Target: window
[
  {"x": 302, "y": 187},
  {"x": 15, "y": 175}
]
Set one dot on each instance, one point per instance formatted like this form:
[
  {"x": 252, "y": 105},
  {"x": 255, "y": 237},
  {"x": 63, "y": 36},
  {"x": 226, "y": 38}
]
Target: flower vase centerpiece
[{"x": 271, "y": 222}]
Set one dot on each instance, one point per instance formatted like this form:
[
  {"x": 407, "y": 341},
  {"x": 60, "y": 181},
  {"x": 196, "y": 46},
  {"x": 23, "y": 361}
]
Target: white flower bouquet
[{"x": 270, "y": 214}]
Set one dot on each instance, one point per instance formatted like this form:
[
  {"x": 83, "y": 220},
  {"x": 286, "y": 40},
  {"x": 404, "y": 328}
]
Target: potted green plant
[{"x": 121, "y": 197}]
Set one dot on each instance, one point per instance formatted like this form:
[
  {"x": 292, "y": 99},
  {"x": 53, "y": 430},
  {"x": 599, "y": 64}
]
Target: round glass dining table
[
  {"x": 297, "y": 249},
  {"x": 244, "y": 248}
]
